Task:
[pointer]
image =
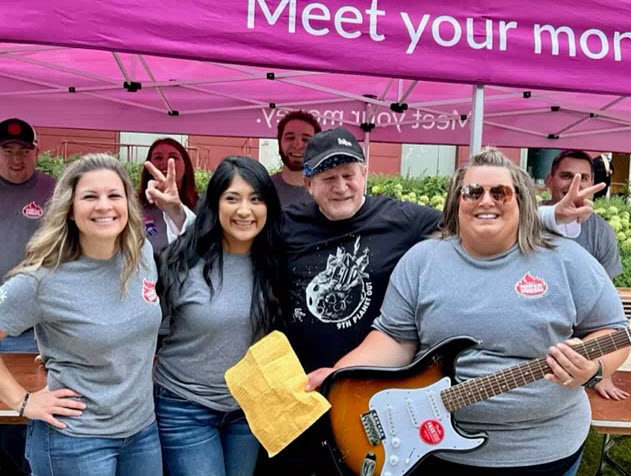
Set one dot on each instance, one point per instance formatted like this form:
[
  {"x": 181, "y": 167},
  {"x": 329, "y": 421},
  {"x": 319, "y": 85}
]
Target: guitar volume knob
[
  {"x": 394, "y": 459},
  {"x": 396, "y": 442}
]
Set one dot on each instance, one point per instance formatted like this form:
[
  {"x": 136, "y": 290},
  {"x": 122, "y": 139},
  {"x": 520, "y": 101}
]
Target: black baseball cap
[
  {"x": 328, "y": 149},
  {"x": 19, "y": 132}
]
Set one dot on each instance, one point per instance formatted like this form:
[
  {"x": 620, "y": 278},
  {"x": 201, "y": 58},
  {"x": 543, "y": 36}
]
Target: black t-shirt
[{"x": 339, "y": 272}]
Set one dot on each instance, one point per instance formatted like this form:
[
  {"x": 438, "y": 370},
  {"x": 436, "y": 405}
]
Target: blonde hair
[
  {"x": 530, "y": 233},
  {"x": 57, "y": 239}
]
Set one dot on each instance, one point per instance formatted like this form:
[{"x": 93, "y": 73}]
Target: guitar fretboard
[{"x": 483, "y": 388}]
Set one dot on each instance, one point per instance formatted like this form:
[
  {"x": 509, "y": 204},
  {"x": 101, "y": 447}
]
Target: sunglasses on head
[{"x": 474, "y": 192}]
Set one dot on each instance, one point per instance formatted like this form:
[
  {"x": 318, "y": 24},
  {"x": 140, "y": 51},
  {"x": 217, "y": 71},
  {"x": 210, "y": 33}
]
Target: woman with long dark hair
[
  {"x": 219, "y": 283},
  {"x": 159, "y": 154}
]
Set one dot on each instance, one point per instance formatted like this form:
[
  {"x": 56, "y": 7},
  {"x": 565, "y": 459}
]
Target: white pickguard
[{"x": 415, "y": 423}]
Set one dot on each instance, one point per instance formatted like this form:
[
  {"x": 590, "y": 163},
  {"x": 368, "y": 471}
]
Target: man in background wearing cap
[
  {"x": 23, "y": 194},
  {"x": 294, "y": 132}
]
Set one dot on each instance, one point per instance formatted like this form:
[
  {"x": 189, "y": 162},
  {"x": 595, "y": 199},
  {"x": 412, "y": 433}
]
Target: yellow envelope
[{"x": 269, "y": 384}]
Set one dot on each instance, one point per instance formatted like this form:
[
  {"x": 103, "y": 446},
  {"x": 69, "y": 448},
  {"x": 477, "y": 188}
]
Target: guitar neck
[{"x": 482, "y": 388}]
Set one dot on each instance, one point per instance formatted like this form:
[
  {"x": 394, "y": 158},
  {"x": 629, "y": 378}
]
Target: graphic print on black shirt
[{"x": 341, "y": 293}]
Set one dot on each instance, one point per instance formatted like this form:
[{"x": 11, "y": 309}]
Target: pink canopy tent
[{"x": 528, "y": 74}]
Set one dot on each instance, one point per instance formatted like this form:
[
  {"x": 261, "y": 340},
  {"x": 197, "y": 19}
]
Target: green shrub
[
  {"x": 201, "y": 180},
  {"x": 617, "y": 211},
  {"x": 50, "y": 165},
  {"x": 429, "y": 191},
  {"x": 134, "y": 171}
]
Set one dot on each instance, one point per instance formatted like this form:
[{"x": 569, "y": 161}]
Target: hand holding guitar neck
[{"x": 569, "y": 368}]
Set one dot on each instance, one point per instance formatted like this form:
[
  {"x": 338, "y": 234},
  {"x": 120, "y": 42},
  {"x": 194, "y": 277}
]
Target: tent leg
[
  {"x": 368, "y": 112},
  {"x": 477, "y": 120}
]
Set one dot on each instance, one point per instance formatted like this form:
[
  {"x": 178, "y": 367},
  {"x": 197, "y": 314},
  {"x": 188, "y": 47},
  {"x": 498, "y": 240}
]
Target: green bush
[
  {"x": 50, "y": 165},
  {"x": 201, "y": 180},
  {"x": 429, "y": 191},
  {"x": 617, "y": 212}
]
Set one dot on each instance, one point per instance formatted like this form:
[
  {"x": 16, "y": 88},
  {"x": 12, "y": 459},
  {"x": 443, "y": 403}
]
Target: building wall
[
  {"x": 421, "y": 160},
  {"x": 65, "y": 142},
  {"x": 385, "y": 158},
  {"x": 211, "y": 150},
  {"x": 512, "y": 153},
  {"x": 134, "y": 146}
]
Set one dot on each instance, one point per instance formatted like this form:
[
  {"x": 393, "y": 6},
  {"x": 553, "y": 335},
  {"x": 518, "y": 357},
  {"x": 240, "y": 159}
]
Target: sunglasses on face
[{"x": 474, "y": 192}]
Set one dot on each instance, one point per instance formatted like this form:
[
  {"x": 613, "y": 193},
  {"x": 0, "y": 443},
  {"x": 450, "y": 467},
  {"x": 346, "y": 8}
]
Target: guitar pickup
[{"x": 372, "y": 427}]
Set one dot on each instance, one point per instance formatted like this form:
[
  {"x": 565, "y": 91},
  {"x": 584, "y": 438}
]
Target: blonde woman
[{"x": 87, "y": 286}]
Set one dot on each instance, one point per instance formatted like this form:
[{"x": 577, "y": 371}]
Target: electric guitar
[{"x": 385, "y": 421}]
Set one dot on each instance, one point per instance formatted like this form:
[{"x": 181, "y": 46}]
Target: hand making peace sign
[
  {"x": 163, "y": 192},
  {"x": 575, "y": 205}
]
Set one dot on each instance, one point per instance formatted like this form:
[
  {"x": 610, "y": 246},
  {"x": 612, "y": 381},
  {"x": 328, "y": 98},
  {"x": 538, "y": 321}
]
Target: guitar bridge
[{"x": 372, "y": 427}]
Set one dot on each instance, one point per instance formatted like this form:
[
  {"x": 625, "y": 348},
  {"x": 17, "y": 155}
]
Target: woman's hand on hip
[{"x": 45, "y": 404}]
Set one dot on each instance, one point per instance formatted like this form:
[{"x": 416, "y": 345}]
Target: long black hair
[{"x": 204, "y": 241}]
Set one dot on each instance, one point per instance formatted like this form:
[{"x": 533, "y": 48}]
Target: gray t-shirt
[
  {"x": 208, "y": 336},
  {"x": 22, "y": 205},
  {"x": 92, "y": 340},
  {"x": 518, "y": 306},
  {"x": 289, "y": 194},
  {"x": 599, "y": 239}
]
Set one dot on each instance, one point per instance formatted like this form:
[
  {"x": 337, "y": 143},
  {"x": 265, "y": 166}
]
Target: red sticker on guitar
[{"x": 431, "y": 432}]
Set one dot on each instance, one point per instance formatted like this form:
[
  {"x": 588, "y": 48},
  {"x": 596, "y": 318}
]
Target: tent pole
[
  {"x": 368, "y": 112},
  {"x": 477, "y": 119}
]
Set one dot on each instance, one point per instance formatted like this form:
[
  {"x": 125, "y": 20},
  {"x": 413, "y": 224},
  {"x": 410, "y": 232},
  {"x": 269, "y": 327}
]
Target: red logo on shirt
[
  {"x": 431, "y": 432},
  {"x": 32, "y": 210},
  {"x": 149, "y": 291},
  {"x": 531, "y": 286}
]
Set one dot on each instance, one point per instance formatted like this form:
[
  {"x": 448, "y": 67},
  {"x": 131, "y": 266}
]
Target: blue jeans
[
  {"x": 197, "y": 440},
  {"x": 13, "y": 437},
  {"x": 573, "y": 470},
  {"x": 51, "y": 453},
  {"x": 25, "y": 342}
]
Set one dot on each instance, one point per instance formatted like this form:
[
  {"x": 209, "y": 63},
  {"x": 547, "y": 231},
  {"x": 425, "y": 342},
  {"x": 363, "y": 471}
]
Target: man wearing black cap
[
  {"x": 23, "y": 194},
  {"x": 341, "y": 251}
]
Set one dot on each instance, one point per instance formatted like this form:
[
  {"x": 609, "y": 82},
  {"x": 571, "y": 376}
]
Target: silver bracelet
[{"x": 21, "y": 412}]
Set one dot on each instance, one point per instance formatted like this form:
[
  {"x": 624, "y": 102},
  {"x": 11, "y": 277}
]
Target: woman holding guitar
[{"x": 493, "y": 274}]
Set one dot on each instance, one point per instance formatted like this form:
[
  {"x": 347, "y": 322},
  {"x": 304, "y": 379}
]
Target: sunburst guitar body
[{"x": 385, "y": 421}]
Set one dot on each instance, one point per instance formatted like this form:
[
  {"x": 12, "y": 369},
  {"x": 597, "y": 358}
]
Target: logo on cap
[
  {"x": 14, "y": 129},
  {"x": 342, "y": 141}
]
